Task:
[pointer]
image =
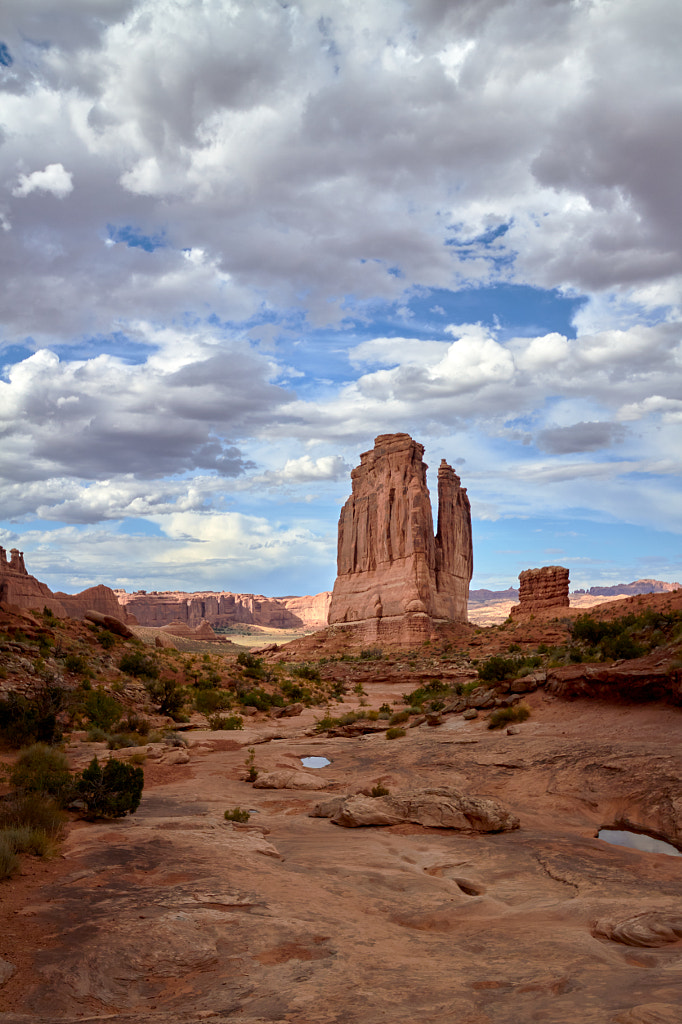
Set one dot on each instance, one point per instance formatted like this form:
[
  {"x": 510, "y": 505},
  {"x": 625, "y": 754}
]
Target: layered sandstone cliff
[
  {"x": 542, "y": 590},
  {"x": 395, "y": 578},
  {"x": 19, "y": 588},
  {"x": 159, "y": 608}
]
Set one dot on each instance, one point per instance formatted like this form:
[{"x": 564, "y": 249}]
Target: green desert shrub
[
  {"x": 237, "y": 814},
  {"x": 106, "y": 639},
  {"x": 209, "y": 701},
  {"x": 24, "y": 721},
  {"x": 399, "y": 717},
  {"x": 503, "y": 716},
  {"x": 139, "y": 664},
  {"x": 30, "y": 840},
  {"x": 42, "y": 769},
  {"x": 306, "y": 671},
  {"x": 260, "y": 699},
  {"x": 9, "y": 861},
  {"x": 394, "y": 733},
  {"x": 102, "y": 709},
  {"x": 76, "y": 664},
  {"x": 167, "y": 695},
  {"x": 228, "y": 722},
  {"x": 32, "y": 810},
  {"x": 110, "y": 791},
  {"x": 250, "y": 665}
]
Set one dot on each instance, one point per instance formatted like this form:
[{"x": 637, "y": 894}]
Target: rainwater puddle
[
  {"x": 315, "y": 762},
  {"x": 637, "y": 841}
]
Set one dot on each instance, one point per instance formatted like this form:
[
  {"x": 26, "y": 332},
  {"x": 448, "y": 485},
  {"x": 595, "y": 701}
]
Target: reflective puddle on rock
[
  {"x": 637, "y": 841},
  {"x": 315, "y": 762}
]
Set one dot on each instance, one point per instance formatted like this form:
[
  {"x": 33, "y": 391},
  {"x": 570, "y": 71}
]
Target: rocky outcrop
[
  {"x": 100, "y": 598},
  {"x": 110, "y": 622},
  {"x": 22, "y": 590},
  {"x": 395, "y": 579},
  {"x": 289, "y": 779},
  {"x": 542, "y": 590},
  {"x": 201, "y": 632},
  {"x": 160, "y": 608},
  {"x": 440, "y": 807},
  {"x": 651, "y": 928}
]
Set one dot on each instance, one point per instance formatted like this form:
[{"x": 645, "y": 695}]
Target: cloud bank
[{"x": 233, "y": 234}]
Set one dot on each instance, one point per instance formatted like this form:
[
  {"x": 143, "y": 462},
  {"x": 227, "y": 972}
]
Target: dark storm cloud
[{"x": 579, "y": 437}]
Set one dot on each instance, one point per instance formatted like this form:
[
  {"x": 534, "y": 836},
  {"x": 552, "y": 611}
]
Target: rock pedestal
[
  {"x": 542, "y": 590},
  {"x": 396, "y": 580}
]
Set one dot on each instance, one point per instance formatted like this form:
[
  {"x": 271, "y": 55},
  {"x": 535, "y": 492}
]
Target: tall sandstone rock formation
[
  {"x": 542, "y": 590},
  {"x": 396, "y": 580}
]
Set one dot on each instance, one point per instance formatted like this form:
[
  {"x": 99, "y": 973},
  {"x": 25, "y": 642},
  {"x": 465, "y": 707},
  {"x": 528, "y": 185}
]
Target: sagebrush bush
[
  {"x": 237, "y": 814},
  {"x": 229, "y": 722},
  {"x": 44, "y": 770},
  {"x": 503, "y": 716},
  {"x": 29, "y": 840},
  {"x": 394, "y": 733},
  {"x": 32, "y": 810},
  {"x": 398, "y": 717},
  {"x": 9, "y": 862}
]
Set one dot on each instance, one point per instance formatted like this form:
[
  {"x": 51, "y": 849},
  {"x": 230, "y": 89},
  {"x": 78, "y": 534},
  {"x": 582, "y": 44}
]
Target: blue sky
[{"x": 241, "y": 240}]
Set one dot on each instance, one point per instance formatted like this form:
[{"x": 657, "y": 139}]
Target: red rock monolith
[
  {"x": 396, "y": 580},
  {"x": 542, "y": 590}
]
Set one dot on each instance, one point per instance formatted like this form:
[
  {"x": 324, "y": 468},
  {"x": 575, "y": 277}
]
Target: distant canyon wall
[{"x": 159, "y": 608}]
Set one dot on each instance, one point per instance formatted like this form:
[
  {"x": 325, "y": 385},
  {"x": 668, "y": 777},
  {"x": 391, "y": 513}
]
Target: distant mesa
[
  {"x": 629, "y": 589},
  {"x": 542, "y": 590},
  {"x": 396, "y": 579}
]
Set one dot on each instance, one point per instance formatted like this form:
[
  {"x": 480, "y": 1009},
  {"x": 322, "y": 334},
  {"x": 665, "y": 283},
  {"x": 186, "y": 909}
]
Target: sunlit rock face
[
  {"x": 542, "y": 590},
  {"x": 20, "y": 589},
  {"x": 396, "y": 579}
]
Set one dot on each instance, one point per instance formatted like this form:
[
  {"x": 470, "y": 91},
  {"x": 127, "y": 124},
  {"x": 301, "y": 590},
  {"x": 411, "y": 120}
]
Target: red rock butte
[
  {"x": 542, "y": 590},
  {"x": 397, "y": 581}
]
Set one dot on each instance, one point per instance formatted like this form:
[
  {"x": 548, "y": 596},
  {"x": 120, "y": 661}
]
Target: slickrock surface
[
  {"x": 159, "y": 608},
  {"x": 176, "y": 916},
  {"x": 395, "y": 578},
  {"x": 542, "y": 590}
]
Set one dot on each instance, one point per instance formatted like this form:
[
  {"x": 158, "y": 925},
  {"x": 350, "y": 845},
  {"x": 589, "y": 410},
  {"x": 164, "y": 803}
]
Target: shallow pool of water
[
  {"x": 637, "y": 841},
  {"x": 315, "y": 762}
]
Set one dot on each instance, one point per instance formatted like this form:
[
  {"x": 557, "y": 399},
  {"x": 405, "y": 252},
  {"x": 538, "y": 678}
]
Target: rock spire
[{"x": 396, "y": 579}]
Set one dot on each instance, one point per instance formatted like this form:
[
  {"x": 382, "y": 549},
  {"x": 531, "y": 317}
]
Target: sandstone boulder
[
  {"x": 395, "y": 578},
  {"x": 440, "y": 807},
  {"x": 651, "y": 928},
  {"x": 289, "y": 779},
  {"x": 109, "y": 622}
]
